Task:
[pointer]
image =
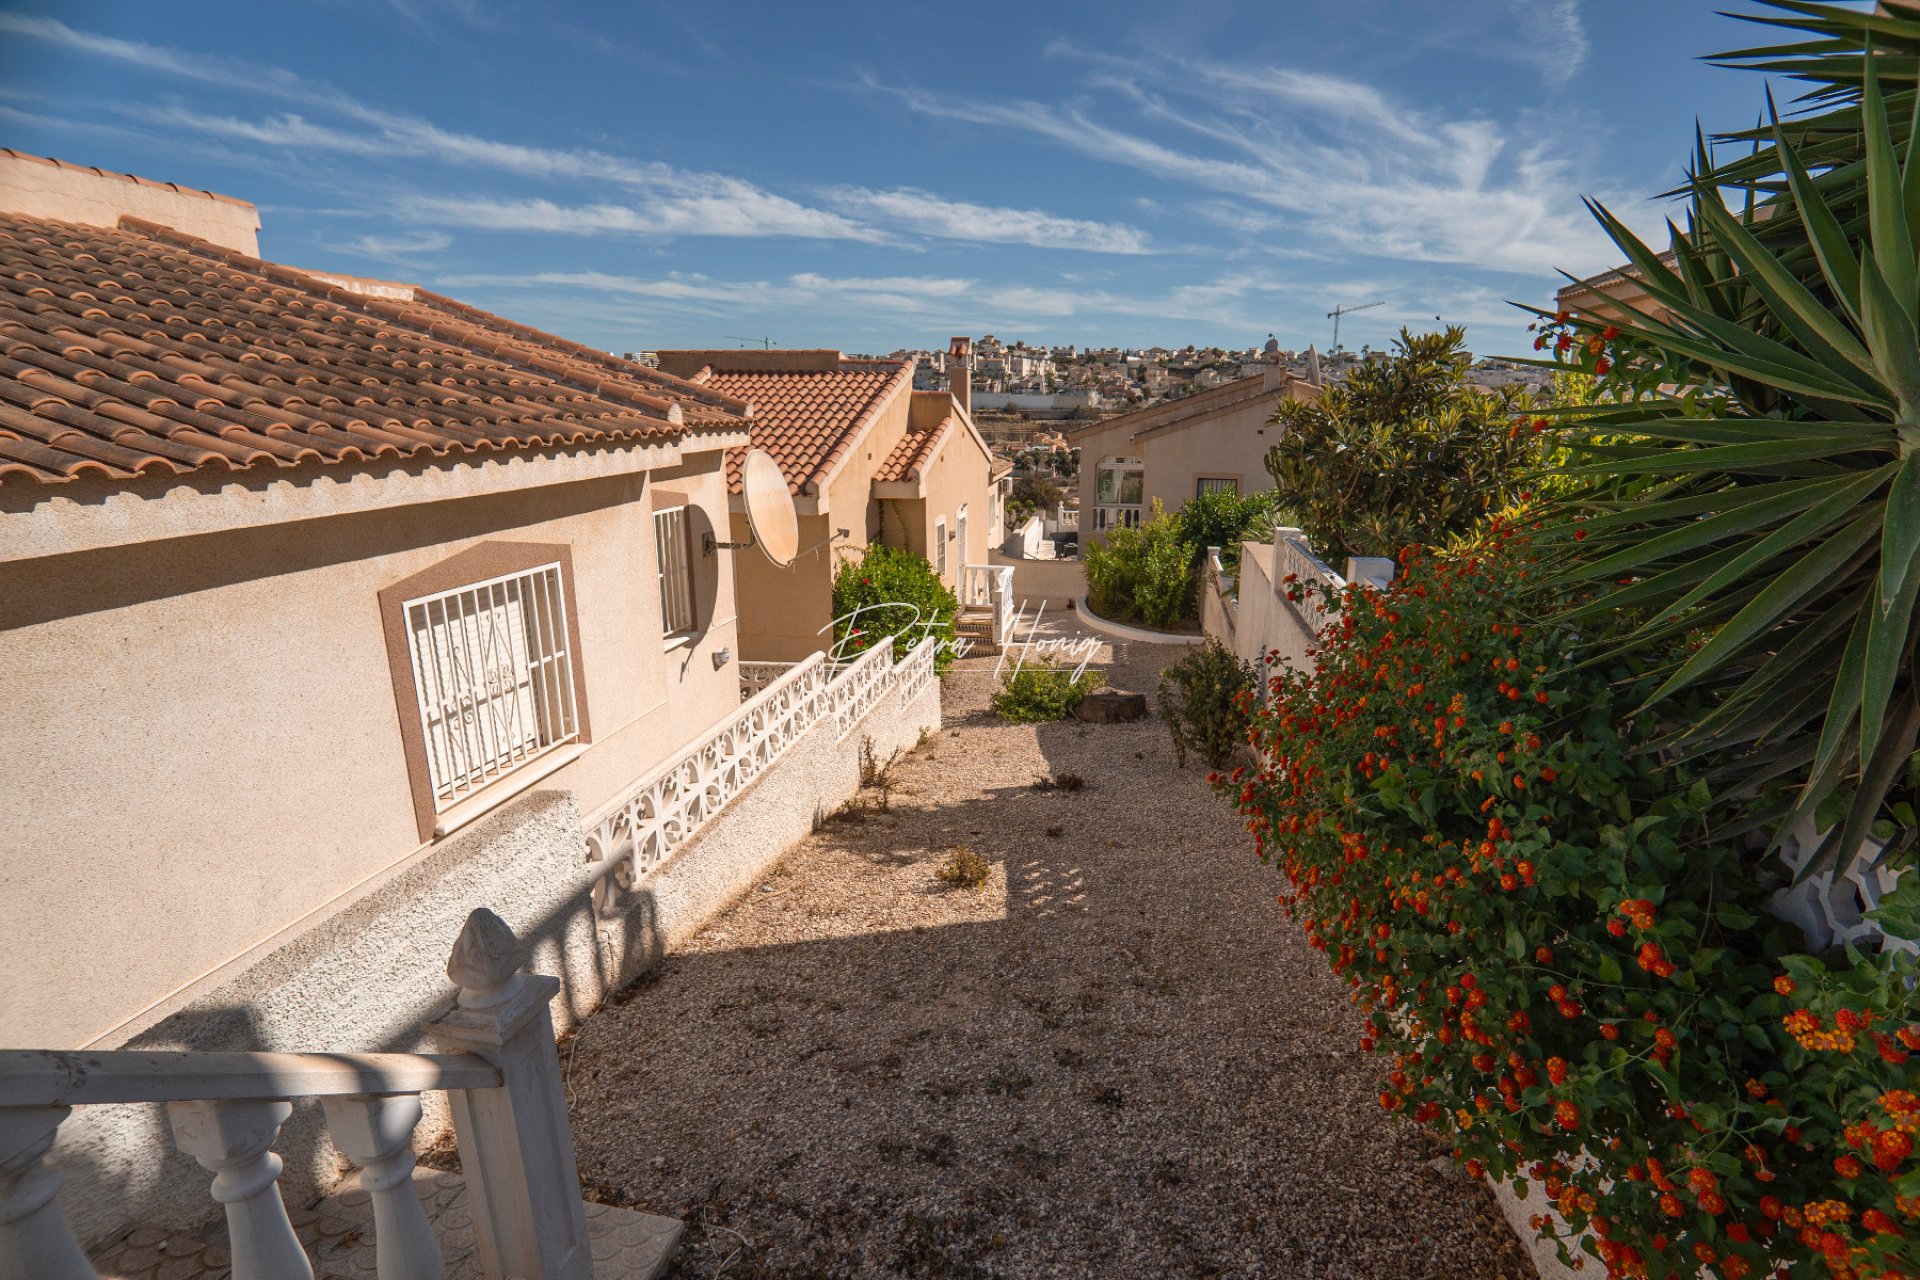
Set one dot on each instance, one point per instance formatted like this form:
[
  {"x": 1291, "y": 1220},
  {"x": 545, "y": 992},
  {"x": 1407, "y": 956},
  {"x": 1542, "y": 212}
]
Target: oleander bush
[
  {"x": 892, "y": 594},
  {"x": 1572, "y": 977},
  {"x": 1204, "y": 700},
  {"x": 1036, "y": 692}
]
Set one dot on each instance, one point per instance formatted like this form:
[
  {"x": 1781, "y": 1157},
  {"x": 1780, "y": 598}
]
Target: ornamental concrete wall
[
  {"x": 1268, "y": 623},
  {"x": 366, "y": 979}
]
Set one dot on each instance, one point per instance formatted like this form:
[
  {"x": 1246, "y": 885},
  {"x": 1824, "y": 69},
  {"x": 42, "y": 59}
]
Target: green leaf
[
  {"x": 1766, "y": 608},
  {"x": 1888, "y": 326},
  {"x": 1891, "y": 232},
  {"x": 1900, "y": 538},
  {"x": 1886, "y": 659}
]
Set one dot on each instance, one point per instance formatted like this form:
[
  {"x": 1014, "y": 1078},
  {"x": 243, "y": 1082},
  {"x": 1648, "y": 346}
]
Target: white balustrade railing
[
  {"x": 990, "y": 586},
  {"x": 913, "y": 673},
  {"x": 226, "y": 1109},
  {"x": 1295, "y": 565},
  {"x": 858, "y": 685},
  {"x": 756, "y": 676},
  {"x": 1110, "y": 516},
  {"x": 637, "y": 833},
  {"x": 661, "y": 811}
]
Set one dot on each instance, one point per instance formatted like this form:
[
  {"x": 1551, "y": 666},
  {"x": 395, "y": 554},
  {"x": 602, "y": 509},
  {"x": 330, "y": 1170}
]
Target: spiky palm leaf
[{"x": 1769, "y": 518}]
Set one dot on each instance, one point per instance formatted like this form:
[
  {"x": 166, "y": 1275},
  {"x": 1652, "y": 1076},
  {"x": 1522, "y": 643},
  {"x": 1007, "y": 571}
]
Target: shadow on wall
[
  {"x": 319, "y": 994},
  {"x": 368, "y": 978}
]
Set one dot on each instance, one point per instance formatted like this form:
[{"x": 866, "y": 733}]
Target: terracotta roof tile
[
  {"x": 808, "y": 418},
  {"x": 139, "y": 349},
  {"x": 911, "y": 454}
]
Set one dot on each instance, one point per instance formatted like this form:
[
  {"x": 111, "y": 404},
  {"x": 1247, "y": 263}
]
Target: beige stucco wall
[
  {"x": 784, "y": 612},
  {"x": 1229, "y": 443},
  {"x": 367, "y": 978},
  {"x": 205, "y": 742},
  {"x": 47, "y": 189},
  {"x": 1268, "y": 624}
]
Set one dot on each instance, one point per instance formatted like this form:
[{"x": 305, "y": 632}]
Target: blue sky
[{"x": 871, "y": 176}]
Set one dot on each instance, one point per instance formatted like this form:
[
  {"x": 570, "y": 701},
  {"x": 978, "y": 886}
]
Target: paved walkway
[{"x": 1115, "y": 1060}]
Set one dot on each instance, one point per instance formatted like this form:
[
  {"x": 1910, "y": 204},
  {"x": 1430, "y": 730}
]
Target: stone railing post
[
  {"x": 516, "y": 1147},
  {"x": 233, "y": 1139},
  {"x": 35, "y": 1239}
]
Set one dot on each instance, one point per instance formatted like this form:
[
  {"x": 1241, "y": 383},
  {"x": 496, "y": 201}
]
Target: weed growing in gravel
[
  {"x": 1043, "y": 784},
  {"x": 963, "y": 869},
  {"x": 1069, "y": 781},
  {"x": 1038, "y": 692},
  {"x": 1056, "y": 831},
  {"x": 855, "y": 811},
  {"x": 877, "y": 775}
]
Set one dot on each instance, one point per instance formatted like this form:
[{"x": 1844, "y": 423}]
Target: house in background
[
  {"x": 332, "y": 609},
  {"x": 1174, "y": 452},
  {"x": 868, "y": 459}
]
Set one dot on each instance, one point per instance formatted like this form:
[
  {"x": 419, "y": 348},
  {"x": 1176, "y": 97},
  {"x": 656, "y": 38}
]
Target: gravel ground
[{"x": 1116, "y": 1059}]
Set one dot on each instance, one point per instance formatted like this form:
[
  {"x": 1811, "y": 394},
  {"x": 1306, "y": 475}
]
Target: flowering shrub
[
  {"x": 1572, "y": 980},
  {"x": 892, "y": 593}
]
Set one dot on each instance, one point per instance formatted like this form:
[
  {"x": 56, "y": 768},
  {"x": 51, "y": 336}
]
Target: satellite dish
[{"x": 770, "y": 510}]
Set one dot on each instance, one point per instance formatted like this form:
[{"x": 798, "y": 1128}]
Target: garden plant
[
  {"x": 1532, "y": 801},
  {"x": 1203, "y": 699},
  {"x": 1574, "y": 979},
  {"x": 890, "y": 593},
  {"x": 1404, "y": 450}
]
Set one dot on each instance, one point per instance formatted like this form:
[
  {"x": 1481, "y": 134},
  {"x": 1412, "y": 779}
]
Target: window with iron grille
[
  {"x": 494, "y": 678},
  {"x": 1215, "y": 484},
  {"x": 940, "y": 546},
  {"x": 673, "y": 545}
]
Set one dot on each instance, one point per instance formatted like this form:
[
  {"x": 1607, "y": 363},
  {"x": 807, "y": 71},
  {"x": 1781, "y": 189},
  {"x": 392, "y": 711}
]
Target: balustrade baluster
[
  {"x": 376, "y": 1133},
  {"x": 234, "y": 1140},
  {"x": 35, "y": 1240}
]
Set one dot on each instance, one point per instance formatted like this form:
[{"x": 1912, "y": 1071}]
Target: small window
[
  {"x": 493, "y": 673},
  {"x": 674, "y": 548},
  {"x": 1215, "y": 484},
  {"x": 939, "y": 556}
]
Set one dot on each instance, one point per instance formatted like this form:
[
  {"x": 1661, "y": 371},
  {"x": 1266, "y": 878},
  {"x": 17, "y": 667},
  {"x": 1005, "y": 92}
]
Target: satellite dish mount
[{"x": 771, "y": 516}]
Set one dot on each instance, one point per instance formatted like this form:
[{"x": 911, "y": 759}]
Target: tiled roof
[
  {"x": 912, "y": 452},
  {"x": 140, "y": 349},
  {"x": 808, "y": 418}
]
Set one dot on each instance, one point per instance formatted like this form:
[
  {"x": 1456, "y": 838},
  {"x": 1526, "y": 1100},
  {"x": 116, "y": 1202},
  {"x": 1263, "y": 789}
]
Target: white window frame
[
  {"x": 939, "y": 556},
  {"x": 673, "y": 548},
  {"x": 497, "y": 652}
]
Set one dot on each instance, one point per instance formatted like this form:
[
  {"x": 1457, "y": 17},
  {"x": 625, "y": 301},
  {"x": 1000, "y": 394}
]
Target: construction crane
[
  {"x": 766, "y": 344},
  {"x": 1335, "y": 314}
]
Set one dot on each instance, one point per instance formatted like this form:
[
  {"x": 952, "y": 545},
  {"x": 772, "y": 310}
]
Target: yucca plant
[{"x": 1757, "y": 518}]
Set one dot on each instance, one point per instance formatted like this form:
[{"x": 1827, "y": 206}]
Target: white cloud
[
  {"x": 404, "y": 246},
  {"x": 1338, "y": 163},
  {"x": 1551, "y": 37},
  {"x": 933, "y": 215},
  {"x": 718, "y": 207}
]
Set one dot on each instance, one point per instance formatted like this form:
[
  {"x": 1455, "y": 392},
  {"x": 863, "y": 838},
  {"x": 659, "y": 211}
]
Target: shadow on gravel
[{"x": 1136, "y": 1069}]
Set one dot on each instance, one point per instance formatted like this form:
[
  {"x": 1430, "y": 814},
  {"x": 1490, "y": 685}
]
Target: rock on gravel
[{"x": 1116, "y": 1059}]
